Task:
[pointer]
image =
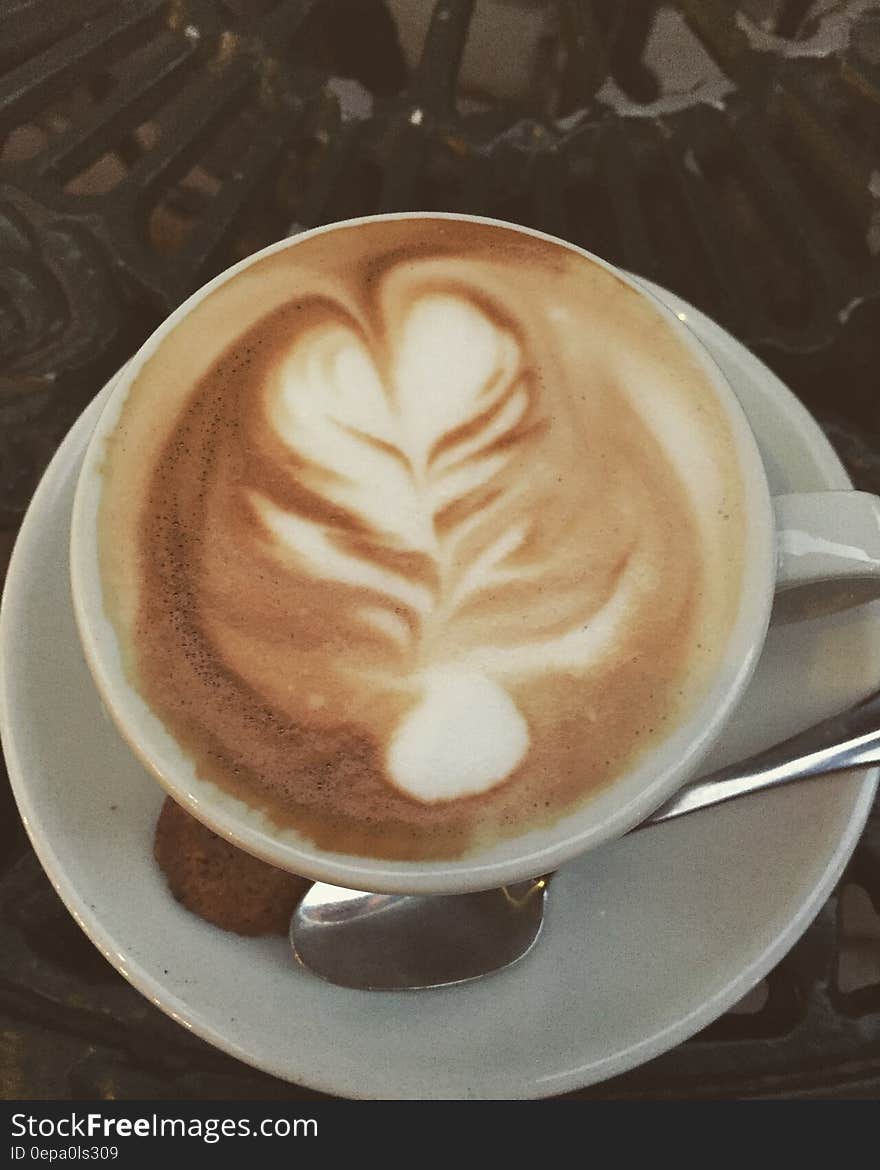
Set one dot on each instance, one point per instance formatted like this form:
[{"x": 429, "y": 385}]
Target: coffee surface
[{"x": 417, "y": 533}]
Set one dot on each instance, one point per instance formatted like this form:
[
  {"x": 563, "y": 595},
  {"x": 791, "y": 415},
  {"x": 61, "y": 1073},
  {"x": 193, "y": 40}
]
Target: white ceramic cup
[{"x": 796, "y": 540}]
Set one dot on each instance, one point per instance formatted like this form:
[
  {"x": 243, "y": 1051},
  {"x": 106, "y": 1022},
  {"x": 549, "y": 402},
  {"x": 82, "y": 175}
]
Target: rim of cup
[{"x": 604, "y": 816}]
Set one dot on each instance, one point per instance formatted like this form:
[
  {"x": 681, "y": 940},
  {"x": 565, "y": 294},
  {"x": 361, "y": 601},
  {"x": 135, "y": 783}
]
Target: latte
[{"x": 418, "y": 533}]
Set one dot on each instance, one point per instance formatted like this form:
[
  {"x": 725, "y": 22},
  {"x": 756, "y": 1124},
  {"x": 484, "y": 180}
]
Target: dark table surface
[{"x": 145, "y": 145}]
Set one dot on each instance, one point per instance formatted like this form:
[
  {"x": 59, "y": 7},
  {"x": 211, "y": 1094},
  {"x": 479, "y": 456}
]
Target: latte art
[
  {"x": 416, "y": 556},
  {"x": 426, "y": 512}
]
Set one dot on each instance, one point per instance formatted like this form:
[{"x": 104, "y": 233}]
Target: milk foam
[
  {"x": 450, "y": 490},
  {"x": 465, "y": 735}
]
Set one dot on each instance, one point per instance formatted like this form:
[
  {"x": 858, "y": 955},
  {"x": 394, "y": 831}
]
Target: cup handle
[{"x": 824, "y": 537}]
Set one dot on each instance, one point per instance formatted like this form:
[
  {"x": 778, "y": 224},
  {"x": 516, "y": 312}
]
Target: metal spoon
[{"x": 396, "y": 941}]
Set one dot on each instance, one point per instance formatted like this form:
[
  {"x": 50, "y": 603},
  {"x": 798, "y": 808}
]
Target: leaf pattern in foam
[
  {"x": 400, "y": 443},
  {"x": 397, "y": 453}
]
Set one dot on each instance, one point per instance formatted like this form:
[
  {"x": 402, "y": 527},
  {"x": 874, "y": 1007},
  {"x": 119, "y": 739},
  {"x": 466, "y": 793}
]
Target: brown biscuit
[{"x": 219, "y": 882}]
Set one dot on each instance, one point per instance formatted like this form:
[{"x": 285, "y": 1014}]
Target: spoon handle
[{"x": 849, "y": 740}]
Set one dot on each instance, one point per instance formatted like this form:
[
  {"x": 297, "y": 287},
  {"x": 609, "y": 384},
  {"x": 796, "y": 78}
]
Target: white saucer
[{"x": 646, "y": 941}]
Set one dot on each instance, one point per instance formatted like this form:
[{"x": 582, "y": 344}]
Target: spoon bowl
[{"x": 383, "y": 942}]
